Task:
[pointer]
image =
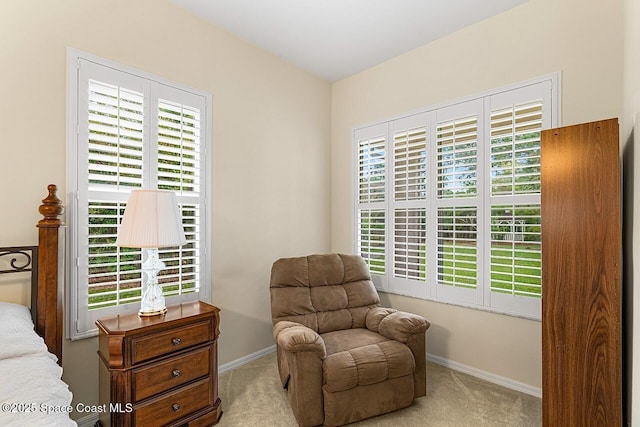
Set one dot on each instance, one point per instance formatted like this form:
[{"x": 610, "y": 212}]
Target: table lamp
[{"x": 151, "y": 220}]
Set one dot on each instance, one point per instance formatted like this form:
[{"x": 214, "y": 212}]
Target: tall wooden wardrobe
[{"x": 581, "y": 276}]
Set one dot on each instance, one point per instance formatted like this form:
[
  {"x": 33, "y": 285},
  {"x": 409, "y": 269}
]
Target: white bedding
[{"x": 31, "y": 389}]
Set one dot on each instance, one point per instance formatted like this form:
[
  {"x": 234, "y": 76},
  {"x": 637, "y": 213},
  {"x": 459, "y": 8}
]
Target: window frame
[
  {"x": 78, "y": 318},
  {"x": 427, "y": 289}
]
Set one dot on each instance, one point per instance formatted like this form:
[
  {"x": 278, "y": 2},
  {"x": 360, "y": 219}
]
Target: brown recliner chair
[{"x": 340, "y": 356}]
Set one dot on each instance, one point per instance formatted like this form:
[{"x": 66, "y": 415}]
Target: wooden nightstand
[{"x": 160, "y": 370}]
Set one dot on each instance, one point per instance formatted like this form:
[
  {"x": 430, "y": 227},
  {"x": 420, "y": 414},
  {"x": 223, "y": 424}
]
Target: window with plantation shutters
[
  {"x": 448, "y": 199},
  {"x": 132, "y": 130}
]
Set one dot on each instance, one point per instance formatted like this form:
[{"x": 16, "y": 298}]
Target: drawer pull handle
[
  {"x": 176, "y": 373},
  {"x": 176, "y": 341},
  {"x": 175, "y": 407}
]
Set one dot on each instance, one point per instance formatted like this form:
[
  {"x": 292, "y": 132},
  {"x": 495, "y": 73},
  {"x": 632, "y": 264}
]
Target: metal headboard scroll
[{"x": 24, "y": 258}]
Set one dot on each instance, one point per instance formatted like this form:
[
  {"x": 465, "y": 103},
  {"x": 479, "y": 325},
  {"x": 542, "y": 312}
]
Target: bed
[{"x": 31, "y": 389}]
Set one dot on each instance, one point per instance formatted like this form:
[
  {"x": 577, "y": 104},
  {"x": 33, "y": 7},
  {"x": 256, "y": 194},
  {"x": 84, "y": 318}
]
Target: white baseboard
[
  {"x": 487, "y": 376},
  {"x": 478, "y": 373},
  {"x": 88, "y": 420},
  {"x": 245, "y": 359}
]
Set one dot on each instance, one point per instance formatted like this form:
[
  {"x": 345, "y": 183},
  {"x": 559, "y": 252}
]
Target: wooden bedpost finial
[{"x": 51, "y": 209}]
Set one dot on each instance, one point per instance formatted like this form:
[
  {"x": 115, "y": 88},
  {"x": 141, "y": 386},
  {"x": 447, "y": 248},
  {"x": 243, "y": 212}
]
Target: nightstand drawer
[
  {"x": 170, "y": 373},
  {"x": 169, "y": 341},
  {"x": 175, "y": 405}
]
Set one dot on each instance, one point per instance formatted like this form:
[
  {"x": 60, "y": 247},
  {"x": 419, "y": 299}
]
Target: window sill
[{"x": 463, "y": 305}]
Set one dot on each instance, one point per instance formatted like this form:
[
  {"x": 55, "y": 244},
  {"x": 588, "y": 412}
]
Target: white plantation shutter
[
  {"x": 409, "y": 139},
  {"x": 448, "y": 200},
  {"x": 457, "y": 247},
  {"x": 371, "y": 242},
  {"x": 110, "y": 163},
  {"x": 372, "y": 170},
  {"x": 371, "y": 197},
  {"x": 179, "y": 168},
  {"x": 410, "y": 164},
  {"x": 516, "y": 119},
  {"x": 458, "y": 129},
  {"x": 108, "y": 285},
  {"x": 115, "y": 136},
  {"x": 516, "y": 266},
  {"x": 133, "y": 132},
  {"x": 183, "y": 266},
  {"x": 515, "y": 149},
  {"x": 457, "y": 141},
  {"x": 178, "y": 147},
  {"x": 409, "y": 243}
]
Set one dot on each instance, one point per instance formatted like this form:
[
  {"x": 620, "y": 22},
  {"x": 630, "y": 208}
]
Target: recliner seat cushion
[
  {"x": 348, "y": 339},
  {"x": 367, "y": 365}
]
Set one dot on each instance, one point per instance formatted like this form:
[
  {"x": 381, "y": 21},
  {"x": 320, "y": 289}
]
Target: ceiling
[{"x": 334, "y": 39}]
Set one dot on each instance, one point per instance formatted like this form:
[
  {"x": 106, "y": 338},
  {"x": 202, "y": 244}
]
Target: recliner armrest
[
  {"x": 295, "y": 337},
  {"x": 394, "y": 324}
]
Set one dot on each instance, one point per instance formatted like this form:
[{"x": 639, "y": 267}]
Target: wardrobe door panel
[{"x": 581, "y": 276}]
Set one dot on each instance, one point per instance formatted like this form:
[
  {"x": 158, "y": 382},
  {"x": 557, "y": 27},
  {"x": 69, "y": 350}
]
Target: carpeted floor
[{"x": 252, "y": 396}]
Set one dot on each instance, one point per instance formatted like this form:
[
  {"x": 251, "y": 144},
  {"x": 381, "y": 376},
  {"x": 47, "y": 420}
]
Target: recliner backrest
[{"x": 326, "y": 292}]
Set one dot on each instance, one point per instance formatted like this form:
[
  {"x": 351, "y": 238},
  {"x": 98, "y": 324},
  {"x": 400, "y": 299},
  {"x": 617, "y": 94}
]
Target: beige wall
[
  {"x": 271, "y": 132},
  {"x": 582, "y": 39},
  {"x": 630, "y": 135}
]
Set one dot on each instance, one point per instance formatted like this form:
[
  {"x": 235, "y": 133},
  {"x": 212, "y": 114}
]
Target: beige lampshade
[{"x": 151, "y": 220}]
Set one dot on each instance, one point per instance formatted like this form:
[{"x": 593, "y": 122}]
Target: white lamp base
[
  {"x": 152, "y": 303},
  {"x": 152, "y": 313}
]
